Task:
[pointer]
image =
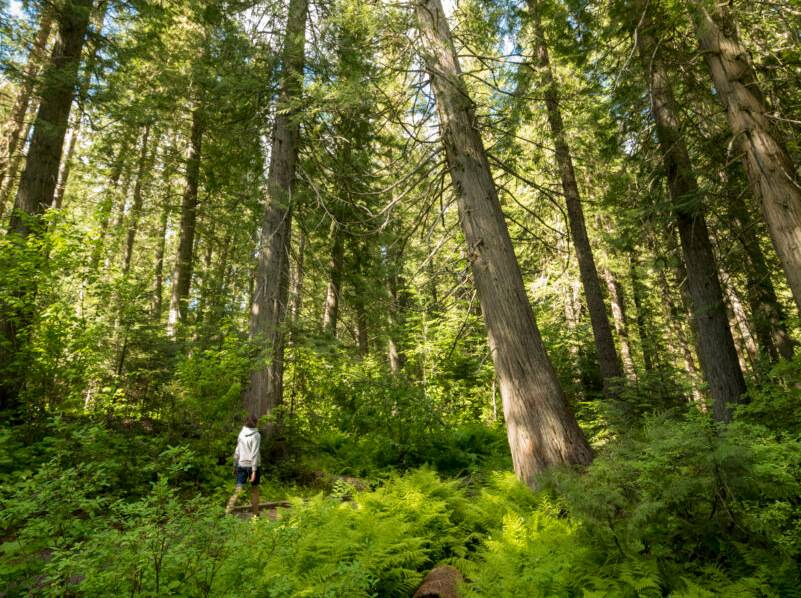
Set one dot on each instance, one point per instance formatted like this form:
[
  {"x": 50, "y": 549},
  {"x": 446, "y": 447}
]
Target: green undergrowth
[{"x": 679, "y": 507}]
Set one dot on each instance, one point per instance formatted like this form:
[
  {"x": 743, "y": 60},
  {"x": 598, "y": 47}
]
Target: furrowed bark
[
  {"x": 265, "y": 390},
  {"x": 541, "y": 429},
  {"x": 771, "y": 172}
]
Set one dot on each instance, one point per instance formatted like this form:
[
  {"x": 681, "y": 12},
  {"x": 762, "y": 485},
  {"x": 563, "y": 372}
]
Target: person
[{"x": 246, "y": 464}]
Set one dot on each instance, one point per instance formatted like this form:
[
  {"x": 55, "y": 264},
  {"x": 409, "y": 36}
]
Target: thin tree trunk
[
  {"x": 359, "y": 291},
  {"x": 182, "y": 278},
  {"x": 39, "y": 179},
  {"x": 618, "y": 302},
  {"x": 675, "y": 316},
  {"x": 766, "y": 312},
  {"x": 394, "y": 353},
  {"x": 715, "y": 344},
  {"x": 136, "y": 207},
  {"x": 336, "y": 265},
  {"x": 297, "y": 283},
  {"x": 265, "y": 390},
  {"x": 646, "y": 343},
  {"x": 740, "y": 324},
  {"x": 771, "y": 172},
  {"x": 601, "y": 330},
  {"x": 158, "y": 276},
  {"x": 541, "y": 428},
  {"x": 14, "y": 133}
]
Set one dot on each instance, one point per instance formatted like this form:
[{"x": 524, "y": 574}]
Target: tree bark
[
  {"x": 618, "y": 302},
  {"x": 331, "y": 307},
  {"x": 297, "y": 283},
  {"x": 182, "y": 277},
  {"x": 359, "y": 292},
  {"x": 136, "y": 207},
  {"x": 715, "y": 344},
  {"x": 13, "y": 135},
  {"x": 541, "y": 428},
  {"x": 265, "y": 390},
  {"x": 601, "y": 330},
  {"x": 675, "y": 315},
  {"x": 646, "y": 343},
  {"x": 158, "y": 275},
  {"x": 38, "y": 180},
  {"x": 766, "y": 311},
  {"x": 83, "y": 95},
  {"x": 771, "y": 172}
]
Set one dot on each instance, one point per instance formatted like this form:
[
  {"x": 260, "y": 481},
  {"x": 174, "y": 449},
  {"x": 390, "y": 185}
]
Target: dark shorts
[{"x": 243, "y": 475}]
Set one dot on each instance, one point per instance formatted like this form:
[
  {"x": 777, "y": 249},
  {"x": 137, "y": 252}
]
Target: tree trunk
[
  {"x": 646, "y": 343},
  {"x": 136, "y": 207},
  {"x": 771, "y": 172},
  {"x": 39, "y": 179},
  {"x": 182, "y": 277},
  {"x": 297, "y": 283},
  {"x": 740, "y": 325},
  {"x": 766, "y": 312},
  {"x": 83, "y": 95},
  {"x": 265, "y": 390},
  {"x": 359, "y": 292},
  {"x": 394, "y": 353},
  {"x": 618, "y": 301},
  {"x": 13, "y": 135},
  {"x": 331, "y": 307},
  {"x": 541, "y": 428},
  {"x": 675, "y": 317},
  {"x": 158, "y": 276},
  {"x": 601, "y": 331},
  {"x": 715, "y": 344}
]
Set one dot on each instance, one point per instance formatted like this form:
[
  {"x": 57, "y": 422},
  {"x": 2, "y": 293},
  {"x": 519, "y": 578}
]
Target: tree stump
[{"x": 441, "y": 582}]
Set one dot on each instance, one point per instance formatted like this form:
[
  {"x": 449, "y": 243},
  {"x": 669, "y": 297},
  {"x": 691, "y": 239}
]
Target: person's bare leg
[
  {"x": 232, "y": 501},
  {"x": 254, "y": 500}
]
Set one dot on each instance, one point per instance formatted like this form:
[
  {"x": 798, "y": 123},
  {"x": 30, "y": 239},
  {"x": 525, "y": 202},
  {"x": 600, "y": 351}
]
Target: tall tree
[
  {"x": 601, "y": 330},
  {"x": 38, "y": 180},
  {"x": 15, "y": 132},
  {"x": 716, "y": 348},
  {"x": 541, "y": 428},
  {"x": 773, "y": 177},
  {"x": 182, "y": 274},
  {"x": 265, "y": 390}
]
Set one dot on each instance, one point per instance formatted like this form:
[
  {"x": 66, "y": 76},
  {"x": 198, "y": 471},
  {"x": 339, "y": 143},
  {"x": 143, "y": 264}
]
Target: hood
[{"x": 248, "y": 431}]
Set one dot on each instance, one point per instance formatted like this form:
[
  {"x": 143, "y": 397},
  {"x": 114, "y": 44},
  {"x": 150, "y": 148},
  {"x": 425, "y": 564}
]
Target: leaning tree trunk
[
  {"x": 13, "y": 135},
  {"x": 269, "y": 307},
  {"x": 39, "y": 180},
  {"x": 542, "y": 430},
  {"x": 771, "y": 172},
  {"x": 601, "y": 331},
  {"x": 182, "y": 277},
  {"x": 716, "y": 349}
]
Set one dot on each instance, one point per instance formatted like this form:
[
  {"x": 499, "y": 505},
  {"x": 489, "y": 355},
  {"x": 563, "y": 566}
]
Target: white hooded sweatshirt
[{"x": 247, "y": 448}]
